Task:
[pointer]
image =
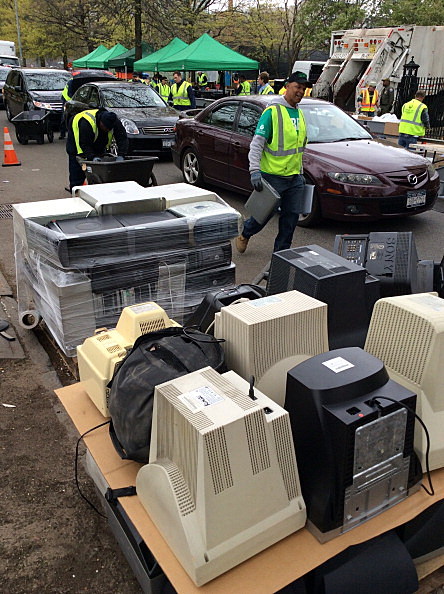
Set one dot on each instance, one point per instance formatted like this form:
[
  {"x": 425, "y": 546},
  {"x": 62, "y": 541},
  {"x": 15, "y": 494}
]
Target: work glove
[
  {"x": 119, "y": 158},
  {"x": 256, "y": 181},
  {"x": 96, "y": 159}
]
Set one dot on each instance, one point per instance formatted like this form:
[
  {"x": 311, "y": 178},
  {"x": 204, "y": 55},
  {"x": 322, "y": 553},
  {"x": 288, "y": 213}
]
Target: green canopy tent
[
  {"x": 126, "y": 60},
  {"x": 151, "y": 61},
  {"x": 81, "y": 62},
  {"x": 206, "y": 54},
  {"x": 101, "y": 61}
]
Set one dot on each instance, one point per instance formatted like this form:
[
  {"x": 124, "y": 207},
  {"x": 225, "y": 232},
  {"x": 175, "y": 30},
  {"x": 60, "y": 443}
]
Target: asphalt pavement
[{"x": 25, "y": 367}]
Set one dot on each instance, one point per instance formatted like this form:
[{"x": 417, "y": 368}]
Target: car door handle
[
  {"x": 236, "y": 143},
  {"x": 200, "y": 132}
]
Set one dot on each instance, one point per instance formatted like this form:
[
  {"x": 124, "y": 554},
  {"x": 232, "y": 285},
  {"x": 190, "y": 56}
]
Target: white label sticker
[
  {"x": 264, "y": 301},
  {"x": 199, "y": 398},
  {"x": 432, "y": 301},
  {"x": 338, "y": 364},
  {"x": 143, "y": 307}
]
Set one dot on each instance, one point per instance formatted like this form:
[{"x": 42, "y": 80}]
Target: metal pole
[{"x": 19, "y": 40}]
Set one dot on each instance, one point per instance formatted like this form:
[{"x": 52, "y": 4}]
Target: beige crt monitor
[
  {"x": 98, "y": 356},
  {"x": 407, "y": 334},
  {"x": 267, "y": 337},
  {"x": 222, "y": 482}
]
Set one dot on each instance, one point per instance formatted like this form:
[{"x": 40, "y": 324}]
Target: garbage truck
[
  {"x": 360, "y": 56},
  {"x": 7, "y": 53}
]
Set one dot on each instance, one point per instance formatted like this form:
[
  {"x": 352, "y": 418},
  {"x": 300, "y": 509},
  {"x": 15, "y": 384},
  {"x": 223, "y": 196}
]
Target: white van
[
  {"x": 7, "y": 53},
  {"x": 311, "y": 68}
]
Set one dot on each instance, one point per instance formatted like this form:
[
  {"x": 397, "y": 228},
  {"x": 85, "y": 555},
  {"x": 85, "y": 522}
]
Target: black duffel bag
[{"x": 155, "y": 358}]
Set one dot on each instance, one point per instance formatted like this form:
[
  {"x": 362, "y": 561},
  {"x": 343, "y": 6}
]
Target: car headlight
[
  {"x": 431, "y": 169},
  {"x": 363, "y": 179},
  {"x": 129, "y": 126},
  {"x": 42, "y": 105}
]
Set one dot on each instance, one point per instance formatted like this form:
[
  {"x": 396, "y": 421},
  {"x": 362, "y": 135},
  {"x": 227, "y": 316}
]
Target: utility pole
[
  {"x": 19, "y": 39},
  {"x": 138, "y": 29}
]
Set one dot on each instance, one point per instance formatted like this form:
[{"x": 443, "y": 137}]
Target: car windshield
[
  {"x": 10, "y": 61},
  {"x": 3, "y": 73},
  {"x": 328, "y": 123},
  {"x": 138, "y": 95},
  {"x": 47, "y": 81}
]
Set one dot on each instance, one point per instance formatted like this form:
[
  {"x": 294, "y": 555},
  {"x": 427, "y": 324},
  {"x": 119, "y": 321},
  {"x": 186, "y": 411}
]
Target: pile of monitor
[{"x": 325, "y": 435}]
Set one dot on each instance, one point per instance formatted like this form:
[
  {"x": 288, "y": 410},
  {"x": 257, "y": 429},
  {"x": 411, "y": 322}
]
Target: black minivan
[{"x": 35, "y": 88}]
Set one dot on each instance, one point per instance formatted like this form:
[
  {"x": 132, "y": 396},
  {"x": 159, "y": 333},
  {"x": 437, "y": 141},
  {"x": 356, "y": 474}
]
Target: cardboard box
[
  {"x": 273, "y": 568},
  {"x": 391, "y": 128}
]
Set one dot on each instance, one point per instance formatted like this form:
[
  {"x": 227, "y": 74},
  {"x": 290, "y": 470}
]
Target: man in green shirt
[{"x": 276, "y": 156}]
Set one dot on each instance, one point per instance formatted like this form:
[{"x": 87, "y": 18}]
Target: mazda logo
[{"x": 412, "y": 179}]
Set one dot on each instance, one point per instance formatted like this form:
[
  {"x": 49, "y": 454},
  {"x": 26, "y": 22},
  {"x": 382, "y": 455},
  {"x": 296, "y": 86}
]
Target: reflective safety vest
[
  {"x": 164, "y": 91},
  {"x": 282, "y": 90},
  {"x": 411, "y": 118},
  {"x": 180, "y": 94},
  {"x": 65, "y": 95},
  {"x": 266, "y": 90},
  {"x": 246, "y": 88},
  {"x": 283, "y": 155},
  {"x": 202, "y": 80},
  {"x": 90, "y": 116},
  {"x": 308, "y": 91},
  {"x": 366, "y": 104}
]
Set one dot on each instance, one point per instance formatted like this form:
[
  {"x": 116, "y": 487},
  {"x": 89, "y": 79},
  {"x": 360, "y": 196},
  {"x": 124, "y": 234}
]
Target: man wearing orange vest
[{"x": 369, "y": 100}]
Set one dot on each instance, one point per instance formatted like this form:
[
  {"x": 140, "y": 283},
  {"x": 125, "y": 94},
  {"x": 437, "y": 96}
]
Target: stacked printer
[{"x": 80, "y": 260}]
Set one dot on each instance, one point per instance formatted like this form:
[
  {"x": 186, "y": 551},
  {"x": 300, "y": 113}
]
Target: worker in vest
[
  {"x": 243, "y": 87},
  {"x": 66, "y": 96},
  {"x": 276, "y": 156},
  {"x": 264, "y": 87},
  {"x": 202, "y": 80},
  {"x": 368, "y": 100},
  {"x": 283, "y": 88},
  {"x": 414, "y": 120},
  {"x": 90, "y": 134},
  {"x": 163, "y": 88},
  {"x": 182, "y": 93},
  {"x": 308, "y": 92}
]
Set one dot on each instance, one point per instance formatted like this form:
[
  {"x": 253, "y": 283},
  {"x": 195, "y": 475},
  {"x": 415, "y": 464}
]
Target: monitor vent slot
[
  {"x": 319, "y": 271},
  {"x": 216, "y": 447},
  {"x": 285, "y": 454},
  {"x": 242, "y": 400},
  {"x": 180, "y": 488},
  {"x": 151, "y": 325},
  {"x": 114, "y": 348},
  {"x": 103, "y": 337},
  {"x": 390, "y": 339},
  {"x": 257, "y": 441}
]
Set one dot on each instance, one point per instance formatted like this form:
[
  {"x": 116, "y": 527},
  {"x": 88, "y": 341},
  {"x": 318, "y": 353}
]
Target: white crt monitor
[
  {"x": 222, "y": 482},
  {"x": 407, "y": 334},
  {"x": 267, "y": 337}
]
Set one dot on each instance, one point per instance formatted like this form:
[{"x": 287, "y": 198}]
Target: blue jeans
[
  {"x": 406, "y": 140},
  {"x": 291, "y": 190}
]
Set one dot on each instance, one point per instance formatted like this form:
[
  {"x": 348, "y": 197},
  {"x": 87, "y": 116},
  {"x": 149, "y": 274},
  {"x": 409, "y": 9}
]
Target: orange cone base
[{"x": 11, "y": 164}]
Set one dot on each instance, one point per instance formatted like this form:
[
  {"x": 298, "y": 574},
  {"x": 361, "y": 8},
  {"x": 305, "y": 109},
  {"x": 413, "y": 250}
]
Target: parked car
[
  {"x": 4, "y": 71},
  {"x": 149, "y": 122},
  {"x": 35, "y": 88},
  {"x": 356, "y": 177}
]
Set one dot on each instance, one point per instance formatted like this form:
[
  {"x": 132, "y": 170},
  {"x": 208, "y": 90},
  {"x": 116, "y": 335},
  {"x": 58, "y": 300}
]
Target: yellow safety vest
[
  {"x": 411, "y": 118},
  {"x": 179, "y": 93},
  {"x": 283, "y": 155},
  {"x": 308, "y": 91},
  {"x": 65, "y": 95},
  {"x": 266, "y": 90},
  {"x": 164, "y": 91},
  {"x": 282, "y": 90},
  {"x": 246, "y": 89},
  {"x": 202, "y": 80},
  {"x": 366, "y": 104},
  {"x": 90, "y": 116}
]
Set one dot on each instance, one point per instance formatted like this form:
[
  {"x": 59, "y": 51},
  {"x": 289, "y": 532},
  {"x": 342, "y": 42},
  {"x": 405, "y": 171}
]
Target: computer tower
[
  {"x": 353, "y": 438},
  {"x": 342, "y": 285}
]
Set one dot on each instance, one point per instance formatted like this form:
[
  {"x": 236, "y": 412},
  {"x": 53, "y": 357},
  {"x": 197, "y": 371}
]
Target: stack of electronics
[
  {"x": 81, "y": 260},
  {"x": 331, "y": 436}
]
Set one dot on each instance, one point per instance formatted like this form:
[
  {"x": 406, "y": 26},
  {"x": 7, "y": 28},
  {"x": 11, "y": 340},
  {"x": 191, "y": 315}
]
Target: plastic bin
[
  {"x": 138, "y": 169},
  {"x": 32, "y": 125}
]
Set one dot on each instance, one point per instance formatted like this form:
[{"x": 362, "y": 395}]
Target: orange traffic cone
[{"x": 10, "y": 158}]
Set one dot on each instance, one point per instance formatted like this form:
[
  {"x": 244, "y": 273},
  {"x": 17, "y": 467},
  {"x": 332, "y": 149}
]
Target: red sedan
[{"x": 356, "y": 177}]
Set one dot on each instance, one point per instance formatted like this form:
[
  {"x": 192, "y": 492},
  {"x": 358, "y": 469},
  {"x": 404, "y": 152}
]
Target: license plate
[
  {"x": 416, "y": 198},
  {"x": 167, "y": 143}
]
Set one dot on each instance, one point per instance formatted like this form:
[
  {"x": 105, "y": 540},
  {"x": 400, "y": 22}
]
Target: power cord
[
  {"x": 76, "y": 464},
  {"x": 374, "y": 400}
]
